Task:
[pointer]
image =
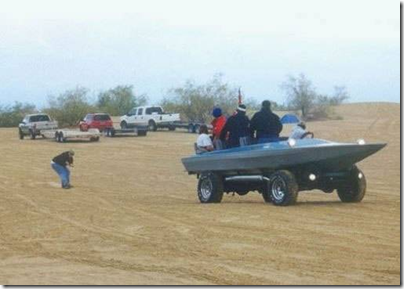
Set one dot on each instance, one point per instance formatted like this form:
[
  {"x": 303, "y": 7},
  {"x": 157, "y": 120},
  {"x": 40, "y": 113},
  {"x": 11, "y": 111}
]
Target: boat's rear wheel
[
  {"x": 210, "y": 188},
  {"x": 282, "y": 189},
  {"x": 355, "y": 188}
]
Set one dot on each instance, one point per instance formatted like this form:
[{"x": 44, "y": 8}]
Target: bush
[
  {"x": 69, "y": 107},
  {"x": 303, "y": 96},
  {"x": 119, "y": 100},
  {"x": 195, "y": 102},
  {"x": 11, "y": 116}
]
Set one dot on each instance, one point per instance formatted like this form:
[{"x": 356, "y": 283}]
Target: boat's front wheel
[
  {"x": 210, "y": 188},
  {"x": 282, "y": 189},
  {"x": 355, "y": 188}
]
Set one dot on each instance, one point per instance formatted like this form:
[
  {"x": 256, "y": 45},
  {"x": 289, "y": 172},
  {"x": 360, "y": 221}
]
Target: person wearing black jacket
[
  {"x": 236, "y": 127},
  {"x": 59, "y": 165},
  {"x": 265, "y": 125}
]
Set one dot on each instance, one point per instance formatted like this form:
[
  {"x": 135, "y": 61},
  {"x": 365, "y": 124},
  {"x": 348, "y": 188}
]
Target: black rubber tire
[
  {"x": 124, "y": 125},
  {"x": 109, "y": 132},
  {"x": 289, "y": 187},
  {"x": 20, "y": 134},
  {"x": 328, "y": 190},
  {"x": 31, "y": 134},
  {"x": 61, "y": 137},
  {"x": 142, "y": 133},
  {"x": 266, "y": 194},
  {"x": 355, "y": 189},
  {"x": 196, "y": 128},
  {"x": 242, "y": 193},
  {"x": 214, "y": 194},
  {"x": 171, "y": 128},
  {"x": 152, "y": 125}
]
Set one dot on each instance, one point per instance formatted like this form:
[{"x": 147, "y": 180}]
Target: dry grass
[{"x": 134, "y": 218}]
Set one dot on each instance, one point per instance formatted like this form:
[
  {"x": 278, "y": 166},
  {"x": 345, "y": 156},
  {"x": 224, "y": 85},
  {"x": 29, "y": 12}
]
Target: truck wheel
[
  {"x": 31, "y": 134},
  {"x": 210, "y": 188},
  {"x": 283, "y": 188},
  {"x": 20, "y": 134},
  {"x": 142, "y": 133},
  {"x": 266, "y": 194},
  {"x": 152, "y": 125},
  {"x": 61, "y": 137},
  {"x": 171, "y": 128},
  {"x": 124, "y": 125},
  {"x": 355, "y": 188}
]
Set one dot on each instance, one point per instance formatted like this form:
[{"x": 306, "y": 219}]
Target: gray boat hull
[{"x": 325, "y": 155}]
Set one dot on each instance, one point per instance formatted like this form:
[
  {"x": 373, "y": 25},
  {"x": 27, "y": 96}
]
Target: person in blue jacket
[{"x": 266, "y": 125}]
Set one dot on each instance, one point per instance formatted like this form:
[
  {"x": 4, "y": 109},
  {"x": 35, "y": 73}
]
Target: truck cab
[
  {"x": 34, "y": 124},
  {"x": 152, "y": 116}
]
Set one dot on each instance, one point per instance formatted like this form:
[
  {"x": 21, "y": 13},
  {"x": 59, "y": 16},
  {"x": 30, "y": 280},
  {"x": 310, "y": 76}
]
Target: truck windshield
[
  {"x": 41, "y": 117},
  {"x": 151, "y": 110}
]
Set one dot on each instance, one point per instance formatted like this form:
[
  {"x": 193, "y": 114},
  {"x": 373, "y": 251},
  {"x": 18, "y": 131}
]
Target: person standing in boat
[
  {"x": 266, "y": 125},
  {"x": 217, "y": 125},
  {"x": 236, "y": 129}
]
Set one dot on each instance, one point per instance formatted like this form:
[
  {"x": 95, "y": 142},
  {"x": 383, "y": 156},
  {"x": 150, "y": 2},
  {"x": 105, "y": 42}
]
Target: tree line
[{"x": 193, "y": 101}]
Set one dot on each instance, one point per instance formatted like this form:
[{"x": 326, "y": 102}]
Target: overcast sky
[{"x": 47, "y": 47}]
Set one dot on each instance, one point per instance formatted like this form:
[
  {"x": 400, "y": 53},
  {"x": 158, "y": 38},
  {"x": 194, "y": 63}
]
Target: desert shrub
[
  {"x": 302, "y": 96},
  {"x": 69, "y": 107},
  {"x": 119, "y": 100},
  {"x": 195, "y": 102},
  {"x": 11, "y": 116}
]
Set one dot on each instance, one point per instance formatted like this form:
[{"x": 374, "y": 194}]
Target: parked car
[
  {"x": 100, "y": 121},
  {"x": 152, "y": 116},
  {"x": 34, "y": 125}
]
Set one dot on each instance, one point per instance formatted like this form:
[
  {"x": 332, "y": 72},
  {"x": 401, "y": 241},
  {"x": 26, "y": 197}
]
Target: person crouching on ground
[
  {"x": 204, "y": 142},
  {"x": 59, "y": 165},
  {"x": 299, "y": 131}
]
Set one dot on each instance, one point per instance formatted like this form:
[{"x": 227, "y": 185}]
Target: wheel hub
[
  {"x": 206, "y": 188},
  {"x": 278, "y": 188}
]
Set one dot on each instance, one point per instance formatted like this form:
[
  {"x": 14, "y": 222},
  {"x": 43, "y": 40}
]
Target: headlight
[
  {"x": 291, "y": 142},
  {"x": 361, "y": 142}
]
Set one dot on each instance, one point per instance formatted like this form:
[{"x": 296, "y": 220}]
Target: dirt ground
[{"x": 133, "y": 216}]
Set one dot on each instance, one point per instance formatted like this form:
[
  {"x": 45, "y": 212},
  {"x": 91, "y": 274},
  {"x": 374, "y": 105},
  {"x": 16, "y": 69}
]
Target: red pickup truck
[{"x": 101, "y": 121}]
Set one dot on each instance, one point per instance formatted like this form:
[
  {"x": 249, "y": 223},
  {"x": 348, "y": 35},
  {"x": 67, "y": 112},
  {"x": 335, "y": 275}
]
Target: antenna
[{"x": 240, "y": 101}]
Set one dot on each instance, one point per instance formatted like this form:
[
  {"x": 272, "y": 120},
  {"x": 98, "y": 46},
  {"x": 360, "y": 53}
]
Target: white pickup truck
[
  {"x": 152, "y": 116},
  {"x": 34, "y": 125}
]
